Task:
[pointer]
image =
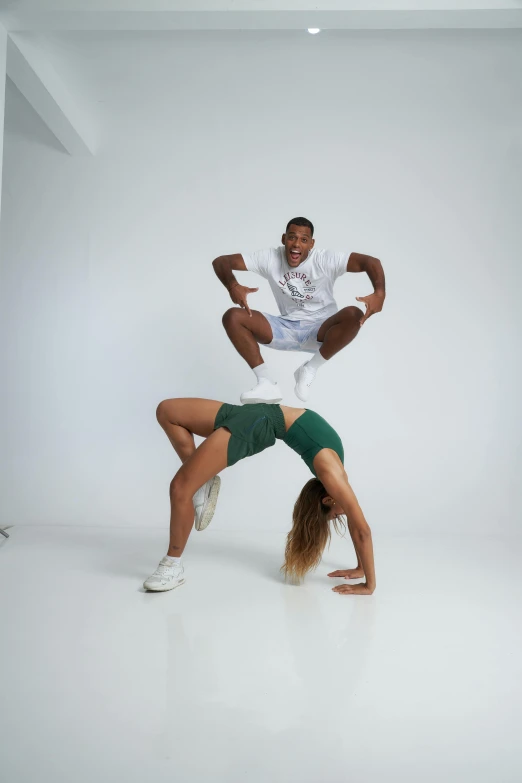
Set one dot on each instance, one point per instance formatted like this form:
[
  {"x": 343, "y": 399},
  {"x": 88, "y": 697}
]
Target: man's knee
[
  {"x": 351, "y": 316},
  {"x": 161, "y": 411},
  {"x": 233, "y": 318},
  {"x": 354, "y": 313}
]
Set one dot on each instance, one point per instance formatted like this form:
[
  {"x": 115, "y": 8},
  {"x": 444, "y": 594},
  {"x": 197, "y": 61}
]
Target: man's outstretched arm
[
  {"x": 358, "y": 262},
  {"x": 223, "y": 267}
]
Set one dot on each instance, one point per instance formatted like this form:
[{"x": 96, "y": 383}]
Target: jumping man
[{"x": 302, "y": 280}]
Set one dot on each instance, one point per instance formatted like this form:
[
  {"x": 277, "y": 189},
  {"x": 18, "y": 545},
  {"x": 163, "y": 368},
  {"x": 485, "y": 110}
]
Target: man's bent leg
[
  {"x": 338, "y": 331},
  {"x": 246, "y": 332},
  {"x": 334, "y": 334}
]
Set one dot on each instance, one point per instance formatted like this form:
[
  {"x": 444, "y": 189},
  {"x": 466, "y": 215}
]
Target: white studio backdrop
[{"x": 407, "y": 146}]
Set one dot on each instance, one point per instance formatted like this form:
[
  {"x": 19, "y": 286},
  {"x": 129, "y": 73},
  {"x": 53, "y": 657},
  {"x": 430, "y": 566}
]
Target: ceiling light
[{"x": 314, "y": 30}]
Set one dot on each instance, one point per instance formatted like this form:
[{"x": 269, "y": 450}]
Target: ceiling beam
[
  {"x": 3, "y": 64},
  {"x": 348, "y": 19},
  {"x": 44, "y": 90}
]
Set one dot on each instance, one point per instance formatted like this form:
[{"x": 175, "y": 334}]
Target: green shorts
[{"x": 253, "y": 428}]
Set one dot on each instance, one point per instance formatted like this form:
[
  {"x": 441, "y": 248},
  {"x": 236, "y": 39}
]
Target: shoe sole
[
  {"x": 256, "y": 400},
  {"x": 164, "y": 589},
  {"x": 210, "y": 506}
]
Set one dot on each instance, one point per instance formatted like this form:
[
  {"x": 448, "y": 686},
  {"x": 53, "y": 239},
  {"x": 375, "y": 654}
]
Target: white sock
[
  {"x": 316, "y": 361},
  {"x": 172, "y": 560},
  {"x": 262, "y": 371}
]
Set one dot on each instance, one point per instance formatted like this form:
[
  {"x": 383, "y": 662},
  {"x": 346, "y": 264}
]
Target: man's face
[{"x": 298, "y": 242}]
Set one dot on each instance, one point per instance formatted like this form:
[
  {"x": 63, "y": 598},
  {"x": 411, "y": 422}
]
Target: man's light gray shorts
[{"x": 293, "y": 335}]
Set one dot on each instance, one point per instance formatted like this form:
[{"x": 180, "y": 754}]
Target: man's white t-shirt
[{"x": 305, "y": 292}]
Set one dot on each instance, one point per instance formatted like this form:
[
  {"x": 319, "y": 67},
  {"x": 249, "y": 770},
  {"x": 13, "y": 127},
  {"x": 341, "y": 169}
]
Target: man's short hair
[{"x": 301, "y": 221}]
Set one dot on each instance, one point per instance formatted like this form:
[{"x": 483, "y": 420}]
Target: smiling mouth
[{"x": 295, "y": 255}]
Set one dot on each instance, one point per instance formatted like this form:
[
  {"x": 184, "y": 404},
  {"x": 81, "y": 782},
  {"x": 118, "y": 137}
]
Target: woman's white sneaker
[
  {"x": 264, "y": 391},
  {"x": 205, "y": 501},
  {"x": 165, "y": 577}
]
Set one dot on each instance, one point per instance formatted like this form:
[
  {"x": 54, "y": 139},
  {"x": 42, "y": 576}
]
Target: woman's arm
[
  {"x": 349, "y": 573},
  {"x": 332, "y": 475}
]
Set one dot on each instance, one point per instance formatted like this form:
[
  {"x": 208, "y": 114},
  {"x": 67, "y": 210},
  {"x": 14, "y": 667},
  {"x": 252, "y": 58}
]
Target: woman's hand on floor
[
  {"x": 359, "y": 589},
  {"x": 350, "y": 573}
]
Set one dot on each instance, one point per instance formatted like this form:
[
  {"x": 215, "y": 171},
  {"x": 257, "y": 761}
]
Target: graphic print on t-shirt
[
  {"x": 288, "y": 285},
  {"x": 304, "y": 292},
  {"x": 294, "y": 292}
]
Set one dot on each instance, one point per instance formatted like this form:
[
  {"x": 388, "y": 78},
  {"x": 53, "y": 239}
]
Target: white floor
[{"x": 238, "y": 677}]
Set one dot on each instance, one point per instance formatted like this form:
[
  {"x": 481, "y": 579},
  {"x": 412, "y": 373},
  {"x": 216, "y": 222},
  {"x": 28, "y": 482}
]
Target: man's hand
[
  {"x": 373, "y": 303},
  {"x": 360, "y": 589},
  {"x": 238, "y": 294},
  {"x": 349, "y": 573}
]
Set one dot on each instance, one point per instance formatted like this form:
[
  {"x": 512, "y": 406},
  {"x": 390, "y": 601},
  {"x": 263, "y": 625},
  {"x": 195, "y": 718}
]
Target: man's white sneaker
[
  {"x": 265, "y": 391},
  {"x": 205, "y": 501},
  {"x": 165, "y": 577},
  {"x": 303, "y": 380}
]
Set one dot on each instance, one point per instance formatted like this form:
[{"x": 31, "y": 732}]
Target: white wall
[{"x": 405, "y": 146}]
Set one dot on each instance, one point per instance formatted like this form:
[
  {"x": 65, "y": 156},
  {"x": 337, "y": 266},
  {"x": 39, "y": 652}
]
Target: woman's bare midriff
[{"x": 291, "y": 415}]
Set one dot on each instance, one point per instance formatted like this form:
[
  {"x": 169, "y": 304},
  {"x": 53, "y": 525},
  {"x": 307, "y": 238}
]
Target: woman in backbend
[{"x": 233, "y": 432}]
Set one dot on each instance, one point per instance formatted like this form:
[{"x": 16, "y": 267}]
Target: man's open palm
[
  {"x": 239, "y": 293},
  {"x": 373, "y": 303}
]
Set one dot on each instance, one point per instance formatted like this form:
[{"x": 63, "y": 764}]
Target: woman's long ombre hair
[{"x": 310, "y": 531}]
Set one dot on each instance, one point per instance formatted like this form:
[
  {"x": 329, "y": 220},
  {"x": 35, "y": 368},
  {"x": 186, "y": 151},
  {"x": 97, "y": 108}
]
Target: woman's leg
[
  {"x": 184, "y": 417},
  {"x": 203, "y": 464}
]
